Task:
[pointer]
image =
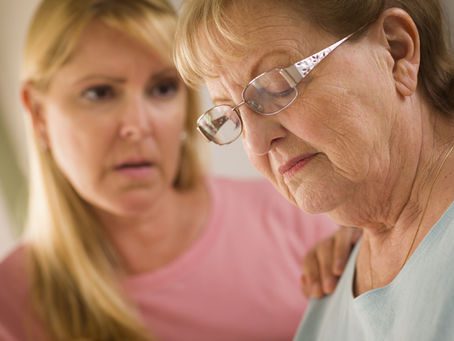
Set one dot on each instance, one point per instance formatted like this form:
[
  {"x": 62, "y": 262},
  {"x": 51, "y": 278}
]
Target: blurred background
[{"x": 14, "y": 17}]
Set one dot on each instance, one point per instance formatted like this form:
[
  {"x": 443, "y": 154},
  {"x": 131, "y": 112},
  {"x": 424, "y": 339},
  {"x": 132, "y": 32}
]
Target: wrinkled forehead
[{"x": 252, "y": 39}]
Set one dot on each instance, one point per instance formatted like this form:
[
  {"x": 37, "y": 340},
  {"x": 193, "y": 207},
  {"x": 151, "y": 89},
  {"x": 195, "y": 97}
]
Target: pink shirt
[{"x": 239, "y": 281}]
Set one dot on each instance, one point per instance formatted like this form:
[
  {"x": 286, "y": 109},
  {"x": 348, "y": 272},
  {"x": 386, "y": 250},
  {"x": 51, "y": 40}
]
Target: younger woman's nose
[
  {"x": 136, "y": 121},
  {"x": 130, "y": 133}
]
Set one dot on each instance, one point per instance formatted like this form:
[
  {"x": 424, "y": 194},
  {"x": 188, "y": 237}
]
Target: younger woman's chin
[
  {"x": 134, "y": 207},
  {"x": 130, "y": 207}
]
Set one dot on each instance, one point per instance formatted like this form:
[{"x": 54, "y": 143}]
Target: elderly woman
[
  {"x": 347, "y": 107},
  {"x": 128, "y": 238}
]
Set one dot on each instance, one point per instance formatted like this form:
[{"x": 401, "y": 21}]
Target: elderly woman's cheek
[
  {"x": 268, "y": 167},
  {"x": 262, "y": 164}
]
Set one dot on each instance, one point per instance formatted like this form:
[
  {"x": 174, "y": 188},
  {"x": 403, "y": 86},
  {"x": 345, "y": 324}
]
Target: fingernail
[
  {"x": 315, "y": 289},
  {"x": 326, "y": 285},
  {"x": 332, "y": 282},
  {"x": 339, "y": 267}
]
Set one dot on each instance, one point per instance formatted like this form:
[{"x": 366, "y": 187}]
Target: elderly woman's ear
[{"x": 400, "y": 34}]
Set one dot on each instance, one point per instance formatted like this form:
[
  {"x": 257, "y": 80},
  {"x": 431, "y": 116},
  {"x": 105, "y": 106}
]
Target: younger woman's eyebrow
[
  {"x": 100, "y": 76},
  {"x": 165, "y": 72}
]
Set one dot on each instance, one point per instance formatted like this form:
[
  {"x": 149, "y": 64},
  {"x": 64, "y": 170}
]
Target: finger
[
  {"x": 310, "y": 279},
  {"x": 324, "y": 254},
  {"x": 344, "y": 238},
  {"x": 341, "y": 249},
  {"x": 305, "y": 285},
  {"x": 357, "y": 233}
]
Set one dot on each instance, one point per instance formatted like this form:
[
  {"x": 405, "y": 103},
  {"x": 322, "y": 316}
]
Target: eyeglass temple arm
[{"x": 301, "y": 69}]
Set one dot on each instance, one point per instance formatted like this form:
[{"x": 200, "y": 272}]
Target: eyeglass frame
[{"x": 293, "y": 74}]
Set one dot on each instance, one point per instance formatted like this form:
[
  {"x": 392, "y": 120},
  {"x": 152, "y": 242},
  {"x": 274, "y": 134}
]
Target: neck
[
  {"x": 384, "y": 252},
  {"x": 152, "y": 240},
  {"x": 405, "y": 203}
]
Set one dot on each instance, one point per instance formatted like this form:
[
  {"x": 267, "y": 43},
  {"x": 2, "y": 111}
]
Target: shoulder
[
  {"x": 243, "y": 186},
  {"x": 14, "y": 280},
  {"x": 13, "y": 265},
  {"x": 251, "y": 192},
  {"x": 259, "y": 196},
  {"x": 17, "y": 317},
  {"x": 325, "y": 318}
]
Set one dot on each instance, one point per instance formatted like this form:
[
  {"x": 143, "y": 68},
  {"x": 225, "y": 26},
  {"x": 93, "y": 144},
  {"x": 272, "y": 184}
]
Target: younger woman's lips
[{"x": 136, "y": 170}]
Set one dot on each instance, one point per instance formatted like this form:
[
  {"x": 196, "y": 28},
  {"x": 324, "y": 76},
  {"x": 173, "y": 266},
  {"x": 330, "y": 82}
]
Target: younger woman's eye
[
  {"x": 98, "y": 93},
  {"x": 164, "y": 88}
]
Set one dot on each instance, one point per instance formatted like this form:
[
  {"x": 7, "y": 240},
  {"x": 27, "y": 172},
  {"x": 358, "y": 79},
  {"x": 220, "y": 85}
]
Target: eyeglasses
[{"x": 267, "y": 94}]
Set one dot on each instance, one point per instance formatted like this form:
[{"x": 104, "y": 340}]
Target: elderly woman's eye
[
  {"x": 286, "y": 93},
  {"x": 98, "y": 93},
  {"x": 164, "y": 89},
  {"x": 282, "y": 92}
]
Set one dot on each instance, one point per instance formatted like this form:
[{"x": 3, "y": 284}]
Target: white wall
[
  {"x": 449, "y": 4},
  {"x": 6, "y": 236},
  {"x": 14, "y": 15}
]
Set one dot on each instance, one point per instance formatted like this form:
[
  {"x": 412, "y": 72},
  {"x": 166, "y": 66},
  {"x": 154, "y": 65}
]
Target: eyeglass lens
[
  {"x": 269, "y": 93},
  {"x": 221, "y": 124}
]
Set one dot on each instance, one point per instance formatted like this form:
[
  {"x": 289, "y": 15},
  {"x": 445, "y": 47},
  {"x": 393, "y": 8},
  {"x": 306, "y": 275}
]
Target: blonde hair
[
  {"x": 211, "y": 21},
  {"x": 74, "y": 283}
]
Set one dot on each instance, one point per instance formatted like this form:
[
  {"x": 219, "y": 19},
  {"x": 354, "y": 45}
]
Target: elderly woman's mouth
[{"x": 294, "y": 165}]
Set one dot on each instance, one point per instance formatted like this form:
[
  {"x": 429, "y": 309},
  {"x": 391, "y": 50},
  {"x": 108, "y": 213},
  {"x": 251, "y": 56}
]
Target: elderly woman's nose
[
  {"x": 136, "y": 121},
  {"x": 259, "y": 132}
]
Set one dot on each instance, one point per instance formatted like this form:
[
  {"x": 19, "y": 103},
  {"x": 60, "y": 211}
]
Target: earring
[
  {"x": 42, "y": 141},
  {"x": 43, "y": 144},
  {"x": 183, "y": 136}
]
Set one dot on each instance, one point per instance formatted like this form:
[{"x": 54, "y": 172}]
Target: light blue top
[{"x": 417, "y": 305}]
